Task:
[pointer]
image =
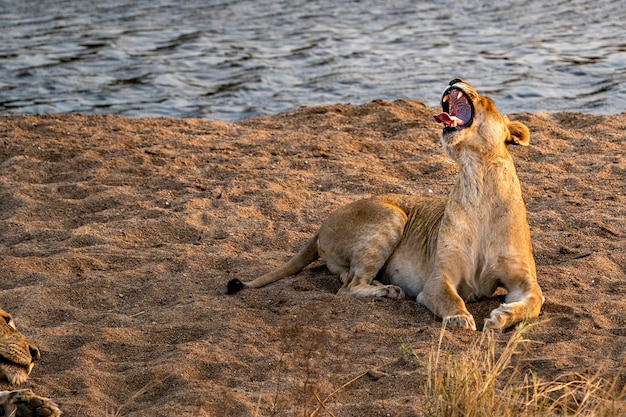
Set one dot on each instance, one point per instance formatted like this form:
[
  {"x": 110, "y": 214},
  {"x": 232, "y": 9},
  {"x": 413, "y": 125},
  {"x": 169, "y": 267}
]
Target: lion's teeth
[
  {"x": 446, "y": 98},
  {"x": 454, "y": 122},
  {"x": 459, "y": 95}
]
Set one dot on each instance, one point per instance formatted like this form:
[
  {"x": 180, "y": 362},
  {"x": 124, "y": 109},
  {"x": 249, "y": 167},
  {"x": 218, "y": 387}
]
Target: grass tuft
[{"x": 488, "y": 380}]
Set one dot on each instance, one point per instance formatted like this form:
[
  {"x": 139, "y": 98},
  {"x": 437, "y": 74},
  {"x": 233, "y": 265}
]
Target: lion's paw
[
  {"x": 503, "y": 317},
  {"x": 24, "y": 403},
  {"x": 494, "y": 323},
  {"x": 463, "y": 321},
  {"x": 395, "y": 292}
]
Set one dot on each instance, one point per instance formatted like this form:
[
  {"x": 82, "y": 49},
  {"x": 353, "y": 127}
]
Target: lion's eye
[{"x": 7, "y": 319}]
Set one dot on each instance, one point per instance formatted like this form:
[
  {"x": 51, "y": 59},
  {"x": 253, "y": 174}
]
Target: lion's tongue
[{"x": 448, "y": 120}]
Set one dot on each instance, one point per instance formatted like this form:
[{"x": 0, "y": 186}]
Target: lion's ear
[{"x": 518, "y": 134}]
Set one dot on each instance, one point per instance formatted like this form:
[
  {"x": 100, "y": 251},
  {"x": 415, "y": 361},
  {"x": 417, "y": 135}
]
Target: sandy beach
[{"x": 118, "y": 236}]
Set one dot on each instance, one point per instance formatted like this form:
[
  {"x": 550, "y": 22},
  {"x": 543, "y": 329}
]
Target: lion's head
[
  {"x": 473, "y": 122},
  {"x": 17, "y": 353}
]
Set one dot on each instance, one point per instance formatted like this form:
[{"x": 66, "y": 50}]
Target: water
[{"x": 232, "y": 59}]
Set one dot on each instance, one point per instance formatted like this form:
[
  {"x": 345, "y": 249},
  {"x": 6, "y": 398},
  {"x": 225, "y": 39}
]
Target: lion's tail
[{"x": 296, "y": 264}]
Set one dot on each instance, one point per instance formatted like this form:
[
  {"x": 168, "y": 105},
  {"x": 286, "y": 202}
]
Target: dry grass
[
  {"x": 488, "y": 380},
  {"x": 121, "y": 409}
]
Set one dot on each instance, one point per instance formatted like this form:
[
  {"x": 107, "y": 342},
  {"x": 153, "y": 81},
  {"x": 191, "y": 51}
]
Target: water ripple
[{"x": 239, "y": 58}]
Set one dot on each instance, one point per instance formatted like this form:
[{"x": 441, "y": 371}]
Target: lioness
[
  {"x": 17, "y": 357},
  {"x": 440, "y": 251}
]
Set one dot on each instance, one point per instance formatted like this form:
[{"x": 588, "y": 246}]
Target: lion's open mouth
[{"x": 458, "y": 110}]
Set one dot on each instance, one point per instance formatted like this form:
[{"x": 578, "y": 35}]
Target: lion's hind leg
[
  {"x": 364, "y": 287},
  {"x": 24, "y": 403},
  {"x": 358, "y": 279},
  {"x": 356, "y": 242}
]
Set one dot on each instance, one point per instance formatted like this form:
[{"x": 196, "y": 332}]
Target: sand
[{"x": 118, "y": 236}]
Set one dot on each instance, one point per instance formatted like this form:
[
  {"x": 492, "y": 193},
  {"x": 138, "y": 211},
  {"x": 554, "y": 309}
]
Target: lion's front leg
[
  {"x": 443, "y": 300},
  {"x": 24, "y": 403},
  {"x": 523, "y": 302}
]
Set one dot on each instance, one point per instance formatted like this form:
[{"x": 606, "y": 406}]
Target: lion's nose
[
  {"x": 456, "y": 80},
  {"x": 34, "y": 352}
]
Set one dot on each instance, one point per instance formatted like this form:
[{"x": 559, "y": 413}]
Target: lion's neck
[{"x": 485, "y": 179}]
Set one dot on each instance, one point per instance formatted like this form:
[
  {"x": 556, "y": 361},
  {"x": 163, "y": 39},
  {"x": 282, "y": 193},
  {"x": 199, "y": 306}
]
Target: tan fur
[
  {"x": 443, "y": 252},
  {"x": 18, "y": 352},
  {"x": 18, "y": 356}
]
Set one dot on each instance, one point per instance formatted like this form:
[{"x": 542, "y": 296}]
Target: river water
[{"x": 232, "y": 59}]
